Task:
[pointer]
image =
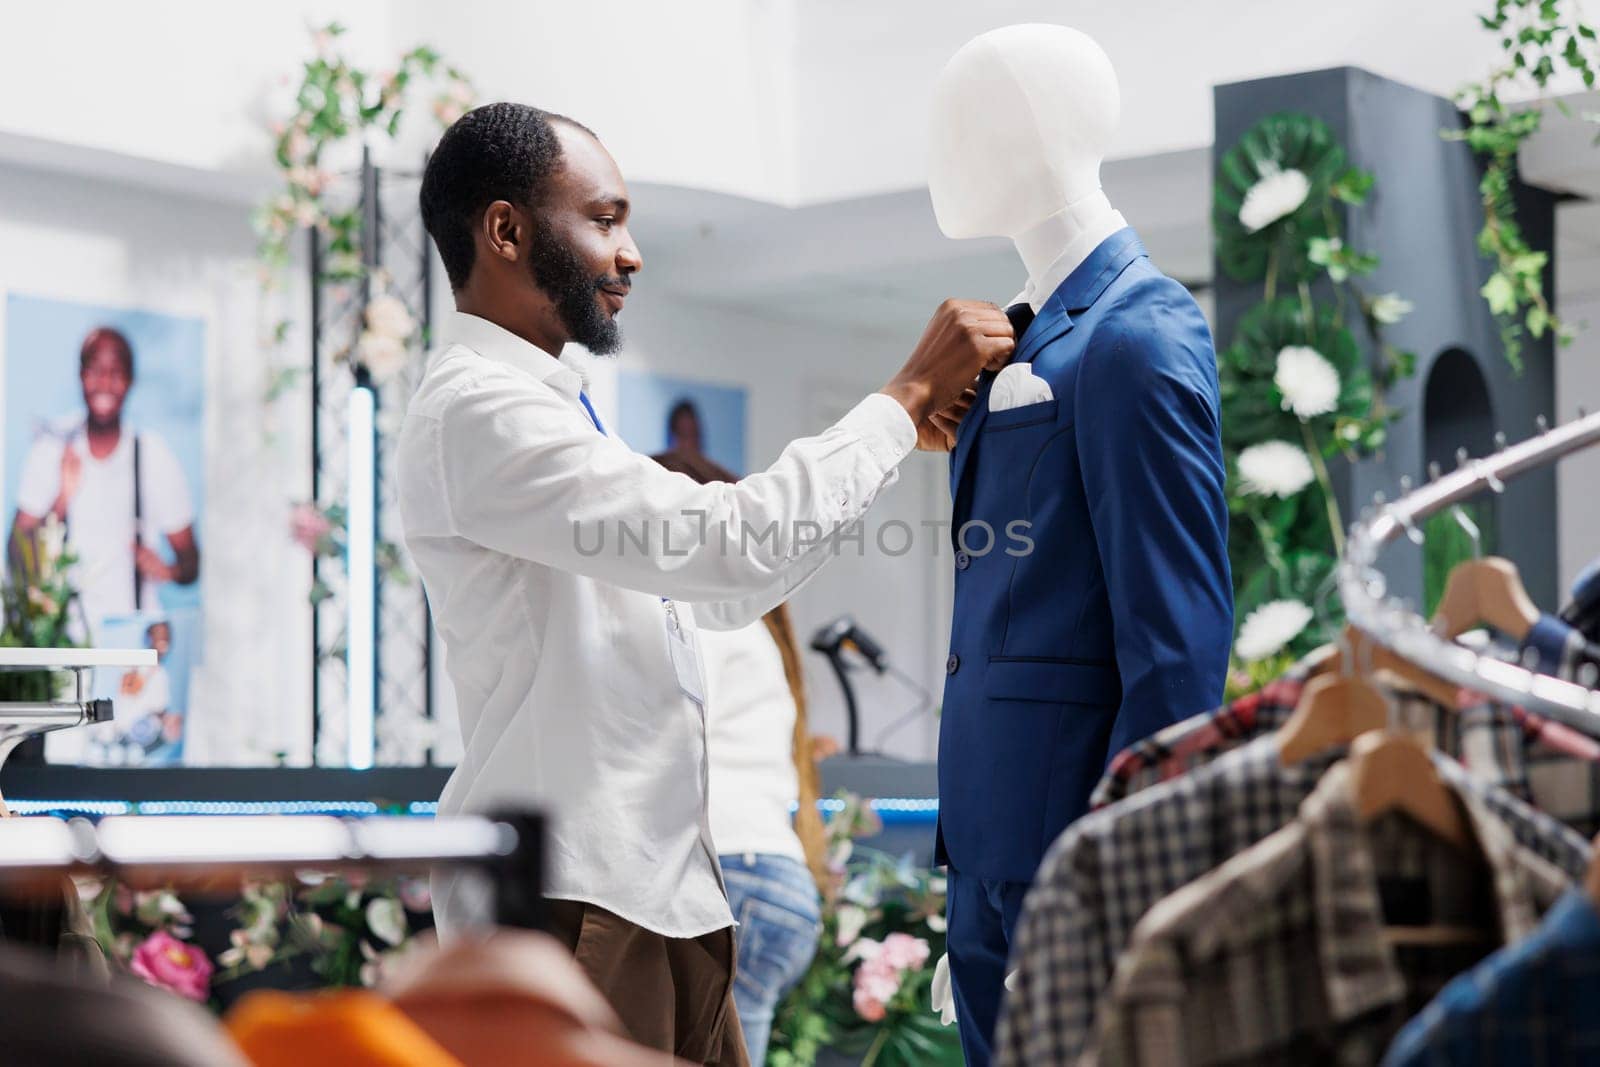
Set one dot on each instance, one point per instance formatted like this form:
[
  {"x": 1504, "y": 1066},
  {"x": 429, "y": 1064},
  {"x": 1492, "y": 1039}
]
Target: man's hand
[
  {"x": 963, "y": 338},
  {"x": 150, "y": 564},
  {"x": 71, "y": 479},
  {"x": 938, "y": 434}
]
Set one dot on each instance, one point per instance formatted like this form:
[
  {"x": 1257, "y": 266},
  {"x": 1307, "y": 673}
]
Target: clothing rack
[
  {"x": 1390, "y": 623},
  {"x": 207, "y": 850}
]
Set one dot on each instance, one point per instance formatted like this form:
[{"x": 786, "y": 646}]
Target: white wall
[
  {"x": 791, "y": 101},
  {"x": 180, "y": 81},
  {"x": 94, "y": 242}
]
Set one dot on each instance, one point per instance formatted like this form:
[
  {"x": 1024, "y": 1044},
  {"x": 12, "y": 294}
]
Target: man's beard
[{"x": 557, "y": 270}]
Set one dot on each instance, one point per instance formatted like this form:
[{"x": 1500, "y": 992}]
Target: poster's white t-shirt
[{"x": 100, "y": 517}]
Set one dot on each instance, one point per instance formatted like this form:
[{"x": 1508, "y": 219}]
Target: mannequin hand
[
  {"x": 938, "y": 434},
  {"x": 963, "y": 338}
]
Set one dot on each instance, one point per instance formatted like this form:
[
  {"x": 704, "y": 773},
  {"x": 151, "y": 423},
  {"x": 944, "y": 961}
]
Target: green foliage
[
  {"x": 36, "y": 606},
  {"x": 1282, "y": 250},
  {"x": 1287, "y": 547},
  {"x": 1254, "y": 407},
  {"x": 877, "y": 895},
  {"x": 1537, "y": 37},
  {"x": 334, "y": 102}
]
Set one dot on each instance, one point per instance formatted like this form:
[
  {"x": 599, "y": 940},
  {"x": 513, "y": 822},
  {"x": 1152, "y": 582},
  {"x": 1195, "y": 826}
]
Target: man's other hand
[{"x": 938, "y": 433}]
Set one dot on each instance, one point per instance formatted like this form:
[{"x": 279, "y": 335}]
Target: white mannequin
[{"x": 1022, "y": 117}]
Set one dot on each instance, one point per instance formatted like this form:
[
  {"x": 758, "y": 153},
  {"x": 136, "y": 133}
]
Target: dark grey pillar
[{"x": 1422, "y": 220}]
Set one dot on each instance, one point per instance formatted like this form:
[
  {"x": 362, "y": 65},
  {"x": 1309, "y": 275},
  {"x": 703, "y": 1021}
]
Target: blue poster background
[
  {"x": 43, "y": 393},
  {"x": 644, "y": 400}
]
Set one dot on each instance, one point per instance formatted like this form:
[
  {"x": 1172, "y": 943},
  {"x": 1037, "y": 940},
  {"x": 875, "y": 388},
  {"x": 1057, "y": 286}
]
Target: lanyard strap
[{"x": 583, "y": 398}]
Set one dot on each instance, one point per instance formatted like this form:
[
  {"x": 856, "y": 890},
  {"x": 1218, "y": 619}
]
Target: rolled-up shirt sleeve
[{"x": 525, "y": 473}]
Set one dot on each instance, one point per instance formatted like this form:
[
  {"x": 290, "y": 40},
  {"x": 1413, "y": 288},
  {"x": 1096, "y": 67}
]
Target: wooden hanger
[
  {"x": 1374, "y": 657},
  {"x": 1334, "y": 709},
  {"x": 1485, "y": 592},
  {"x": 1390, "y": 771}
]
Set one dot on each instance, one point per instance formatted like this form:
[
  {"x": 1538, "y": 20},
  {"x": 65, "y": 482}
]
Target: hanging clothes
[
  {"x": 1548, "y": 764},
  {"x": 1280, "y": 955},
  {"x": 68, "y": 1014},
  {"x": 1529, "y": 1005},
  {"x": 1112, "y": 866},
  {"x": 1559, "y": 649}
]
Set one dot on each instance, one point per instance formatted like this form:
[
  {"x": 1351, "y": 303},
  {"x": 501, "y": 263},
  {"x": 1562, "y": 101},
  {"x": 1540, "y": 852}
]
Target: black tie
[{"x": 1020, "y": 315}]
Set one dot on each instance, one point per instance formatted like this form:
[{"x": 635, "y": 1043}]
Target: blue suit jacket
[{"x": 1119, "y": 619}]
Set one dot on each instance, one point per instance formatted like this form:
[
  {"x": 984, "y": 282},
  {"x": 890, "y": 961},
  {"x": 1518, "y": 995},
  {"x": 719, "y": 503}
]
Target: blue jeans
[{"x": 780, "y": 919}]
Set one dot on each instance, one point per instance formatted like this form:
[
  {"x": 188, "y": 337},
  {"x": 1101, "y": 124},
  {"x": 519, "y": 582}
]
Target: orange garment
[{"x": 343, "y": 1029}]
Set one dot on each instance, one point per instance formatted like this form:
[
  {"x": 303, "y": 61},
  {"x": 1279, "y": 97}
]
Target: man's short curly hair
[{"x": 495, "y": 152}]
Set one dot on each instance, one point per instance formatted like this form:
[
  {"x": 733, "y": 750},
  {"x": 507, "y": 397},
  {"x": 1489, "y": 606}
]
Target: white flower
[
  {"x": 851, "y": 918},
  {"x": 1308, "y": 382},
  {"x": 386, "y": 919},
  {"x": 1390, "y": 308},
  {"x": 1277, "y": 194},
  {"x": 944, "y": 997},
  {"x": 384, "y": 357},
  {"x": 52, "y": 544},
  {"x": 388, "y": 316},
  {"x": 1274, "y": 468},
  {"x": 1269, "y": 628}
]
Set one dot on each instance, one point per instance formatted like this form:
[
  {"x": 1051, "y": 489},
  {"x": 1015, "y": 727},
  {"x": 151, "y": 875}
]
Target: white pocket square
[{"x": 1017, "y": 386}]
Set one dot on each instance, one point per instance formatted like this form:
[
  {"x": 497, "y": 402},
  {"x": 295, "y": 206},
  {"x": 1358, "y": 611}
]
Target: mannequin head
[{"x": 1022, "y": 117}]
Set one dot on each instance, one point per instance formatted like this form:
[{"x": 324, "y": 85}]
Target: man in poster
[{"x": 117, "y": 492}]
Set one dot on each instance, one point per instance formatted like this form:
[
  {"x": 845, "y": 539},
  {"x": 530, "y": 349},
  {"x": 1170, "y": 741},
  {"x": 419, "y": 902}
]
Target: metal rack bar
[
  {"x": 203, "y": 851},
  {"x": 1388, "y": 622}
]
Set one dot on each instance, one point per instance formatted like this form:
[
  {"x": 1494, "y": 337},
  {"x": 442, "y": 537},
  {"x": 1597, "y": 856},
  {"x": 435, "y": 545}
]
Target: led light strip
[{"x": 361, "y": 590}]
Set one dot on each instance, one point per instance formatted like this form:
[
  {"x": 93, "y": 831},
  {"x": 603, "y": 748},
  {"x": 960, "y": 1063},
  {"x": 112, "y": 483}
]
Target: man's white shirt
[
  {"x": 526, "y": 523},
  {"x": 100, "y": 523}
]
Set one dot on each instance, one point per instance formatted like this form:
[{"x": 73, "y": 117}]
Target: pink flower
[
  {"x": 869, "y": 1009},
  {"x": 877, "y": 979},
  {"x": 308, "y": 526},
  {"x": 904, "y": 952},
  {"x": 167, "y": 963}
]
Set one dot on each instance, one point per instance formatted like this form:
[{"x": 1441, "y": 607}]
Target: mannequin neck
[{"x": 1052, "y": 248}]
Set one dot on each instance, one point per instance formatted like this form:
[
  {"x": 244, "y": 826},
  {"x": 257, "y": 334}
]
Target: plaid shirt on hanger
[
  {"x": 1279, "y": 955},
  {"x": 1546, "y": 763},
  {"x": 1110, "y": 867},
  {"x": 1530, "y": 1003}
]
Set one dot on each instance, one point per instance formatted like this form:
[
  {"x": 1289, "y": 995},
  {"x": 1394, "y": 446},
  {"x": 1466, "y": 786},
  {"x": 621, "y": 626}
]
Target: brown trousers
[{"x": 673, "y": 994}]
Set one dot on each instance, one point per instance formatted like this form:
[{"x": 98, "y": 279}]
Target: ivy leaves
[{"x": 1537, "y": 38}]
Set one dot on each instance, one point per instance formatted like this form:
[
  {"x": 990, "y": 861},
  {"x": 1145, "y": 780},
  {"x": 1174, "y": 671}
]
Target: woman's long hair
[{"x": 807, "y": 820}]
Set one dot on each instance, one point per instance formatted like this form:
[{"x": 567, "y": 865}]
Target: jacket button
[
  {"x": 963, "y": 561},
  {"x": 952, "y": 664}
]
